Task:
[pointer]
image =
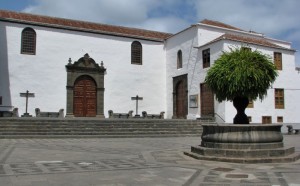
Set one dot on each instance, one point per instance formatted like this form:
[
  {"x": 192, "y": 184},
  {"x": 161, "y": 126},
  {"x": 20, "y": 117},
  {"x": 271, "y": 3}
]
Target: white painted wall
[
  {"x": 4, "y": 75},
  {"x": 45, "y": 74},
  {"x": 184, "y": 41},
  {"x": 192, "y": 65}
]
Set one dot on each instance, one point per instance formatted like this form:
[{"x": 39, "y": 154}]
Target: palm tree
[{"x": 240, "y": 75}]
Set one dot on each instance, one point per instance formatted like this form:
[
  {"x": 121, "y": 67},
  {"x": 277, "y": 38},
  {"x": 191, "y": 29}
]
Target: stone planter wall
[{"x": 243, "y": 144}]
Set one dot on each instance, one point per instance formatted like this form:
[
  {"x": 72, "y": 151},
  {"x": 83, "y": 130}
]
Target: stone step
[
  {"x": 286, "y": 159},
  {"x": 99, "y": 131},
  {"x": 99, "y": 128},
  {"x": 97, "y": 136},
  {"x": 103, "y": 125},
  {"x": 49, "y": 127},
  {"x": 247, "y": 153}
]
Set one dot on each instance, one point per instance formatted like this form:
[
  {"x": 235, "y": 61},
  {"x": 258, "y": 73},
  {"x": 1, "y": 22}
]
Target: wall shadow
[{"x": 4, "y": 72}]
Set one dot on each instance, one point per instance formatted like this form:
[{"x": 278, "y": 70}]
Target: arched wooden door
[
  {"x": 85, "y": 97},
  {"x": 181, "y": 100}
]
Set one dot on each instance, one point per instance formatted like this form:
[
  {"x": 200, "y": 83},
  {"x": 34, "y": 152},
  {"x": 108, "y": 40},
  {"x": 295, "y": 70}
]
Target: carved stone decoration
[{"x": 85, "y": 68}]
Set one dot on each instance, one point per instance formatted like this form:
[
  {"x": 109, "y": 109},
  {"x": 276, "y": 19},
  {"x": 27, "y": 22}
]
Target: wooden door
[
  {"x": 85, "y": 97},
  {"x": 207, "y": 101},
  {"x": 181, "y": 100}
]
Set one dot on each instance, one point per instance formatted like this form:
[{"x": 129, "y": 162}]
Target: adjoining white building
[{"x": 46, "y": 56}]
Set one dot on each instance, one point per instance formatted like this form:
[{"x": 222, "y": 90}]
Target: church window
[
  {"x": 206, "y": 58},
  {"x": 28, "y": 43},
  {"x": 136, "y": 53},
  {"x": 279, "y": 98},
  {"x": 179, "y": 59},
  {"x": 0, "y": 100},
  {"x": 278, "y": 60}
]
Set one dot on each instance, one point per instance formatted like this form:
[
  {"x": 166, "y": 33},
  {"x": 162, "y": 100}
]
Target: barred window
[
  {"x": 136, "y": 53},
  {"x": 279, "y": 98},
  {"x": 28, "y": 43},
  {"x": 206, "y": 58},
  {"x": 179, "y": 59},
  {"x": 278, "y": 60}
]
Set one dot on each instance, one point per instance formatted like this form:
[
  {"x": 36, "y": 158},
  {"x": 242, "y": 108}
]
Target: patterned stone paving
[
  {"x": 69, "y": 167},
  {"x": 143, "y": 161}
]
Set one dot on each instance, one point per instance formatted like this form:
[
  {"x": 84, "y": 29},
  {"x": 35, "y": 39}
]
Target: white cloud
[
  {"x": 168, "y": 24},
  {"x": 119, "y": 12},
  {"x": 267, "y": 16}
]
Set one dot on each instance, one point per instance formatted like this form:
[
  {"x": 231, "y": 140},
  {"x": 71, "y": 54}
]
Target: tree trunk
[{"x": 240, "y": 104}]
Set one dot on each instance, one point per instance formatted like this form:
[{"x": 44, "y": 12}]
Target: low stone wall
[
  {"x": 111, "y": 114},
  {"x": 291, "y": 129},
  {"x": 59, "y": 114},
  {"x": 153, "y": 116},
  {"x": 13, "y": 113}
]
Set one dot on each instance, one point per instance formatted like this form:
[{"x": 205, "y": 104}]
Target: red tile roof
[
  {"x": 250, "y": 40},
  {"x": 82, "y": 26},
  {"x": 219, "y": 24}
]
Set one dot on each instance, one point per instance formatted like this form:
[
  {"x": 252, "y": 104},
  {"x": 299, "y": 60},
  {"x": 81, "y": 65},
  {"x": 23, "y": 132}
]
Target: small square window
[
  {"x": 251, "y": 104},
  {"x": 266, "y": 120},
  {"x": 279, "y": 119}
]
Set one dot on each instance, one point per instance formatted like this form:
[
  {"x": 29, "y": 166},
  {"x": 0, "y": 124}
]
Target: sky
[{"x": 275, "y": 18}]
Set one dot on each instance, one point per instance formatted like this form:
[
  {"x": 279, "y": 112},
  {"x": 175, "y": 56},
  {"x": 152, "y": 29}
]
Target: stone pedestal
[{"x": 243, "y": 144}]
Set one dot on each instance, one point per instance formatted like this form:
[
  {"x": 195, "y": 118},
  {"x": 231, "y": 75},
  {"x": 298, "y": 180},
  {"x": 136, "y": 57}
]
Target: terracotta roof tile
[
  {"x": 219, "y": 24},
  {"x": 251, "y": 40},
  {"x": 82, "y": 25}
]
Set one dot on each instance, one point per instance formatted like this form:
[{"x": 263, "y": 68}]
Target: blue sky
[{"x": 275, "y": 18}]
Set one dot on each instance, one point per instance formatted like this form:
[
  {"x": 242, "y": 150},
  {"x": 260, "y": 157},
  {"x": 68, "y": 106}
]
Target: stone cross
[
  {"x": 137, "y": 98},
  {"x": 27, "y": 95}
]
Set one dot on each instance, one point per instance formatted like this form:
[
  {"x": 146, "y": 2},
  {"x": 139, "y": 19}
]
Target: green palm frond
[{"x": 242, "y": 73}]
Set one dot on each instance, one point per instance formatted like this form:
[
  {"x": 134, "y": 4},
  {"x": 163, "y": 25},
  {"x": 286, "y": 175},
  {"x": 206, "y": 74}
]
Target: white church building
[{"x": 88, "y": 69}]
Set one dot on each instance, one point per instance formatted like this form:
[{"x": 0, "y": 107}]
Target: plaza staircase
[{"x": 98, "y": 128}]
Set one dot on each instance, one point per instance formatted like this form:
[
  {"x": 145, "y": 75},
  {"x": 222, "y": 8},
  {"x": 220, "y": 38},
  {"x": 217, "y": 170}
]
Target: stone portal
[{"x": 85, "y": 88}]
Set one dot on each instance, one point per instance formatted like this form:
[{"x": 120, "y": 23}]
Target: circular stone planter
[
  {"x": 243, "y": 144},
  {"x": 229, "y": 133}
]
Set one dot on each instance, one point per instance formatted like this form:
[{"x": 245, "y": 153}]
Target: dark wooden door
[
  {"x": 207, "y": 101},
  {"x": 181, "y": 100},
  {"x": 85, "y": 97}
]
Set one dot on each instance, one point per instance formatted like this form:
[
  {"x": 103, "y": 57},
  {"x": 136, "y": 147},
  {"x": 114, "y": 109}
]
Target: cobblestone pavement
[{"x": 131, "y": 161}]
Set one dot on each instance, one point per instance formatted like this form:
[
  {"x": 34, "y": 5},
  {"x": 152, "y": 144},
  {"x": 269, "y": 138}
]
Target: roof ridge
[
  {"x": 219, "y": 24},
  {"x": 43, "y": 19},
  {"x": 248, "y": 39}
]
